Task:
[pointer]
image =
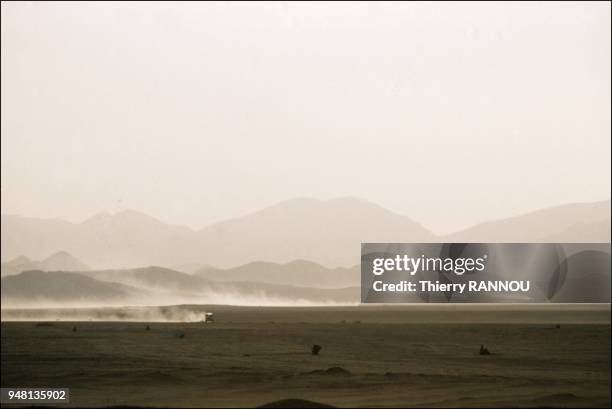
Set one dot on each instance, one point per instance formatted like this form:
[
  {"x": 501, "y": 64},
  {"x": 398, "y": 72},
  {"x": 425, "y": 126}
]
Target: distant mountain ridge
[
  {"x": 326, "y": 232},
  {"x": 57, "y": 261},
  {"x": 35, "y": 286},
  {"x": 125, "y": 238},
  {"x": 154, "y": 286},
  {"x": 572, "y": 223}
]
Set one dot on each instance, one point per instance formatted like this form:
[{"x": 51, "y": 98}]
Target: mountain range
[
  {"x": 572, "y": 223},
  {"x": 35, "y": 287},
  {"x": 154, "y": 286},
  {"x": 57, "y": 261},
  {"x": 326, "y": 232}
]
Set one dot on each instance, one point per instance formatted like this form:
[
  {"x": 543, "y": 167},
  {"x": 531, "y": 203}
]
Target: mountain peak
[
  {"x": 62, "y": 260},
  {"x": 19, "y": 260},
  {"x": 327, "y": 232}
]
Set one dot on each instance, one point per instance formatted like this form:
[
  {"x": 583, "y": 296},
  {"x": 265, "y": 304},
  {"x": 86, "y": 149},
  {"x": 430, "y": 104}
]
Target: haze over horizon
[
  {"x": 326, "y": 232},
  {"x": 449, "y": 114}
]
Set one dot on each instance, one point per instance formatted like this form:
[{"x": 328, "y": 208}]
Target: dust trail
[
  {"x": 235, "y": 298},
  {"x": 127, "y": 314}
]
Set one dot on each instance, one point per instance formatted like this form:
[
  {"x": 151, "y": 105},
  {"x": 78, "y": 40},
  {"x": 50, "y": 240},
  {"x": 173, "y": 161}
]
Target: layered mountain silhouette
[
  {"x": 311, "y": 250},
  {"x": 35, "y": 286},
  {"x": 126, "y": 238},
  {"x": 326, "y": 232},
  {"x": 154, "y": 286},
  {"x": 57, "y": 261},
  {"x": 189, "y": 287}
]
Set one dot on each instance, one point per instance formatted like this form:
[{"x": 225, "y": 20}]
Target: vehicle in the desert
[{"x": 209, "y": 317}]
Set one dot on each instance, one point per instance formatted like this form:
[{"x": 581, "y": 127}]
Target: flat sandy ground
[{"x": 394, "y": 357}]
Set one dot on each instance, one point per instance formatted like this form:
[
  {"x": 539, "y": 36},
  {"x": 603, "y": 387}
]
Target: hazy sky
[{"x": 448, "y": 113}]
